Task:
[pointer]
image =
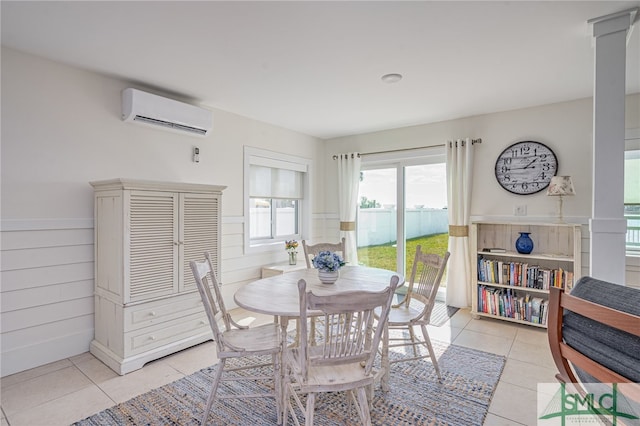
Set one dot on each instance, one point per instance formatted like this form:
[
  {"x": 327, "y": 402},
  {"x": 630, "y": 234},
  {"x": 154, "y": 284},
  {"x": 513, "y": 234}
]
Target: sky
[{"x": 426, "y": 185}]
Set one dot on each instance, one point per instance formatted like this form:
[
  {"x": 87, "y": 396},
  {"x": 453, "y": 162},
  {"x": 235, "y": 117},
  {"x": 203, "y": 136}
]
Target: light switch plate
[{"x": 520, "y": 210}]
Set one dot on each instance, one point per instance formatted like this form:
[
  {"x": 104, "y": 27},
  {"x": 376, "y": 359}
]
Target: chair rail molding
[{"x": 7, "y": 225}]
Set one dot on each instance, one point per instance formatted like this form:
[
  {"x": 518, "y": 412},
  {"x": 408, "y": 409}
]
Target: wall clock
[{"x": 526, "y": 167}]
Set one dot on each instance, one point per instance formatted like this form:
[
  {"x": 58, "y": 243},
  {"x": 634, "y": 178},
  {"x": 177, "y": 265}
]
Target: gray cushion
[{"x": 617, "y": 350}]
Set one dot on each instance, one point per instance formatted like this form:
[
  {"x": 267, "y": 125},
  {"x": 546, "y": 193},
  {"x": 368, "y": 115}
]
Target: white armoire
[{"x": 146, "y": 301}]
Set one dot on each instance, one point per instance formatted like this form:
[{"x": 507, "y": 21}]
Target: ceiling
[{"x": 316, "y": 67}]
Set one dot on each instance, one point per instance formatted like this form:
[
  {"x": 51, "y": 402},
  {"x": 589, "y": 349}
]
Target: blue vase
[{"x": 524, "y": 243}]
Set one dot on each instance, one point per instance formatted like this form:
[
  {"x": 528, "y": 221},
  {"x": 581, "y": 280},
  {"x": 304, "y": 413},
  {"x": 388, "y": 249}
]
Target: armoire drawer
[
  {"x": 161, "y": 311},
  {"x": 143, "y": 340}
]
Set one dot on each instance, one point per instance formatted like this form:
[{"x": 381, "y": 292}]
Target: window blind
[{"x": 270, "y": 182}]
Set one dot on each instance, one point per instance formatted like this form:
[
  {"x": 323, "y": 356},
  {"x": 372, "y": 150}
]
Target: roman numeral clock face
[{"x": 526, "y": 167}]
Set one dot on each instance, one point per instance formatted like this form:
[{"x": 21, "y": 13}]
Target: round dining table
[{"x": 278, "y": 296}]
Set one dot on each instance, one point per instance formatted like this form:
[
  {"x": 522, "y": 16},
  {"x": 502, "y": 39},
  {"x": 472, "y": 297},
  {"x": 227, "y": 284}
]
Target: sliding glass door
[
  {"x": 377, "y": 218},
  {"x": 403, "y": 203},
  {"x": 426, "y": 216}
]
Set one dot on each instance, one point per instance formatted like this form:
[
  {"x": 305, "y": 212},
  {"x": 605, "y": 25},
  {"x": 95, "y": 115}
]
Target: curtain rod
[{"x": 473, "y": 142}]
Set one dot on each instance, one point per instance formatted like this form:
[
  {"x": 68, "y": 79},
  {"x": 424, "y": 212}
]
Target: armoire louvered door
[
  {"x": 200, "y": 233},
  {"x": 146, "y": 303},
  {"x": 153, "y": 244}
]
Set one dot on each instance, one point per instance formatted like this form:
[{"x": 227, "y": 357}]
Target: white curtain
[
  {"x": 459, "y": 179},
  {"x": 348, "y": 184}
]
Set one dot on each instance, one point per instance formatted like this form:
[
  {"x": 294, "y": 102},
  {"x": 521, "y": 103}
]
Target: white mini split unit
[{"x": 163, "y": 113}]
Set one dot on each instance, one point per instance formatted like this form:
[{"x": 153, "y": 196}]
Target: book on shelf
[
  {"x": 568, "y": 280},
  {"x": 521, "y": 274},
  {"x": 536, "y": 303},
  {"x": 544, "y": 309},
  {"x": 494, "y": 250},
  {"x": 504, "y": 303}
]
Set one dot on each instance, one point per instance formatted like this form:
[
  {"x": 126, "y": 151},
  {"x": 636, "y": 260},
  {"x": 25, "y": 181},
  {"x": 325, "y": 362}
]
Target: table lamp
[{"x": 560, "y": 186}]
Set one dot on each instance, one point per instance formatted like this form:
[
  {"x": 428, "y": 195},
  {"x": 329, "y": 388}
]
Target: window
[
  {"x": 275, "y": 188},
  {"x": 632, "y": 193}
]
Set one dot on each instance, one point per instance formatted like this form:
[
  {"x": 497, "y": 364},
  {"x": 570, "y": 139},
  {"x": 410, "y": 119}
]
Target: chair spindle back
[
  {"x": 348, "y": 326},
  {"x": 426, "y": 276},
  {"x": 312, "y": 250},
  {"x": 212, "y": 301}
]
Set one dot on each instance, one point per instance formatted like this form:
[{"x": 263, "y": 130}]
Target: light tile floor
[{"x": 72, "y": 389}]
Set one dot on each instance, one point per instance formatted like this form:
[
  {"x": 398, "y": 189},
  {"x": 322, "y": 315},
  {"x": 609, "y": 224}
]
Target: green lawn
[{"x": 384, "y": 256}]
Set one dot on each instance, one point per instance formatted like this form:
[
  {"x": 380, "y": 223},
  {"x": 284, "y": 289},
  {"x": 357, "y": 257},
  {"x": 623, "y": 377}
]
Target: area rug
[
  {"x": 441, "y": 313},
  {"x": 416, "y": 397}
]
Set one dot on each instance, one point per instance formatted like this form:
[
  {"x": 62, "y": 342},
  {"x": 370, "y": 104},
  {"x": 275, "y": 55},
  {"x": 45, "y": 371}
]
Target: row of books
[
  {"x": 506, "y": 303},
  {"x": 520, "y": 274}
]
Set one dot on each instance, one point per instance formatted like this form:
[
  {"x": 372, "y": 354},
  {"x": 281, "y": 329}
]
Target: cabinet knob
[
  {"x": 152, "y": 313},
  {"x": 152, "y": 337}
]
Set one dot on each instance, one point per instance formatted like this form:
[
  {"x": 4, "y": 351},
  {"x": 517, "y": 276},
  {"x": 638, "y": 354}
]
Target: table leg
[
  {"x": 384, "y": 360},
  {"x": 284, "y": 324}
]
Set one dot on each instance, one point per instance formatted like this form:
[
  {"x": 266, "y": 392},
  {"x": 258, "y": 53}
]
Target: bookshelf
[{"x": 514, "y": 287}]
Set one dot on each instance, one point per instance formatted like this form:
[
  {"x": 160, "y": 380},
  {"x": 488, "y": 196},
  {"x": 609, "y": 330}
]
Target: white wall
[
  {"x": 61, "y": 129},
  {"x": 565, "y": 127}
]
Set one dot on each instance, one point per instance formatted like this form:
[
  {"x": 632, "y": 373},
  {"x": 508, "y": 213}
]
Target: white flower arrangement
[{"x": 328, "y": 261}]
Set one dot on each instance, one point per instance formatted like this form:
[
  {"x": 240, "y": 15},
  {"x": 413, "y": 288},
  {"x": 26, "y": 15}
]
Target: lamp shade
[{"x": 561, "y": 185}]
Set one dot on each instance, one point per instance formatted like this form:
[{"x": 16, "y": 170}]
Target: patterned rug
[
  {"x": 416, "y": 397},
  {"x": 441, "y": 313}
]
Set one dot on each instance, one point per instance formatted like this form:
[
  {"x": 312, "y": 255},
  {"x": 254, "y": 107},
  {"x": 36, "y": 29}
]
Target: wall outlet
[{"x": 520, "y": 210}]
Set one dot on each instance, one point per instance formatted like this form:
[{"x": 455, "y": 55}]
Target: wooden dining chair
[
  {"x": 312, "y": 250},
  {"x": 415, "y": 309},
  {"x": 237, "y": 341},
  {"x": 343, "y": 359}
]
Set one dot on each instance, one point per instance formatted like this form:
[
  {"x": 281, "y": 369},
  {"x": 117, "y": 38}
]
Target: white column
[{"x": 607, "y": 225}]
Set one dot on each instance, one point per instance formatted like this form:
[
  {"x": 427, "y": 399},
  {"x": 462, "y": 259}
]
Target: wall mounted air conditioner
[{"x": 152, "y": 110}]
